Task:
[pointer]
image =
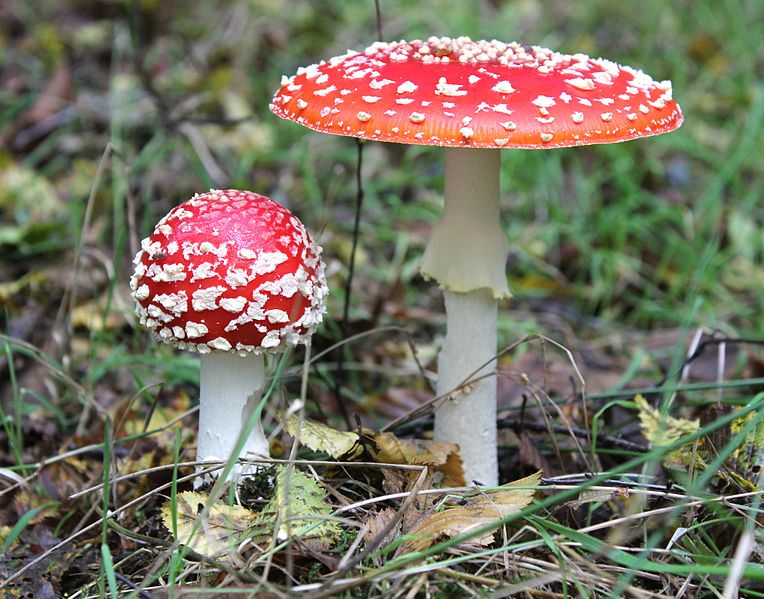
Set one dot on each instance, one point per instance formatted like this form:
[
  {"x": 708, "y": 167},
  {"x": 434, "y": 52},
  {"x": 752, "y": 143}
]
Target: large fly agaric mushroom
[
  {"x": 230, "y": 275},
  {"x": 475, "y": 98}
]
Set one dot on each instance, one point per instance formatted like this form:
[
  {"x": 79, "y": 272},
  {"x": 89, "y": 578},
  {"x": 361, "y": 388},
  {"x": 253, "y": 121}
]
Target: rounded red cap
[
  {"x": 482, "y": 94},
  {"x": 229, "y": 271}
]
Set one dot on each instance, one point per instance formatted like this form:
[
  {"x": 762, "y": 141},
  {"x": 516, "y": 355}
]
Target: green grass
[{"x": 611, "y": 245}]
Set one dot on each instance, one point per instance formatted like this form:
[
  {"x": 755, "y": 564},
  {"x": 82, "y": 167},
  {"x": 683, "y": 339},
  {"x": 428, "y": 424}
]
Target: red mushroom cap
[
  {"x": 459, "y": 92},
  {"x": 229, "y": 271}
]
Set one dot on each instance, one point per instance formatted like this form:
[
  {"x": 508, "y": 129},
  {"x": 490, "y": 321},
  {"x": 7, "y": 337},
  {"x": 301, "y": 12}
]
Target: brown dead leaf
[
  {"x": 530, "y": 454},
  {"x": 479, "y": 511},
  {"x": 442, "y": 457},
  {"x": 376, "y": 525},
  {"x": 393, "y": 480}
]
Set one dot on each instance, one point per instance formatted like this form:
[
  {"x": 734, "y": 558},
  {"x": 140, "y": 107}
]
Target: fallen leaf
[
  {"x": 386, "y": 448},
  {"x": 216, "y": 535},
  {"x": 377, "y": 524},
  {"x": 299, "y": 504},
  {"x": 321, "y": 437},
  {"x": 748, "y": 457},
  {"x": 661, "y": 429},
  {"x": 5, "y": 531},
  {"x": 597, "y": 496},
  {"x": 480, "y": 510},
  {"x": 530, "y": 454}
]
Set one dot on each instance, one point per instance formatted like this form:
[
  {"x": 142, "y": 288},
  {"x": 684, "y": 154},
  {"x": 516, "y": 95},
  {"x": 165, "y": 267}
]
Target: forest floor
[{"x": 631, "y": 364}]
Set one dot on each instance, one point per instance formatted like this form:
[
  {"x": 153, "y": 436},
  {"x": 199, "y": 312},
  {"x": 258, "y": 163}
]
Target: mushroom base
[
  {"x": 468, "y": 417},
  {"x": 230, "y": 390}
]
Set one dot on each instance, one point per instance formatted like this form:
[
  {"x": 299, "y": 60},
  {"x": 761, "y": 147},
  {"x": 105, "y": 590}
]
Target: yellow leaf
[
  {"x": 4, "y": 532},
  {"x": 320, "y": 437},
  {"x": 479, "y": 511},
  {"x": 442, "y": 457},
  {"x": 217, "y": 535},
  {"x": 661, "y": 429}
]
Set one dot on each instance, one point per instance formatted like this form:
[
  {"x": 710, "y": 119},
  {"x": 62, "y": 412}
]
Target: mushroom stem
[
  {"x": 467, "y": 254},
  {"x": 467, "y": 249},
  {"x": 230, "y": 390},
  {"x": 468, "y": 418}
]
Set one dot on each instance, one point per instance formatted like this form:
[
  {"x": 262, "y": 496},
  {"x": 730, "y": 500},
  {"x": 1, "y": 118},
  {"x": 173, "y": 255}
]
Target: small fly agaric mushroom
[
  {"x": 475, "y": 97},
  {"x": 230, "y": 275}
]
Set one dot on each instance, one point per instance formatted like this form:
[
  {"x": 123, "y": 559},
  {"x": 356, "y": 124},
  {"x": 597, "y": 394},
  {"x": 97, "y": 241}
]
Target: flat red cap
[
  {"x": 482, "y": 94},
  {"x": 229, "y": 271}
]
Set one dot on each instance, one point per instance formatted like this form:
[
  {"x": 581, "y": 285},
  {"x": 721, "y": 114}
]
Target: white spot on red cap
[
  {"x": 407, "y": 87},
  {"x": 380, "y": 83},
  {"x": 325, "y": 91},
  {"x": 581, "y": 83},
  {"x": 444, "y": 88},
  {"x": 502, "y": 108},
  {"x": 503, "y": 87},
  {"x": 195, "y": 330},
  {"x": 544, "y": 101}
]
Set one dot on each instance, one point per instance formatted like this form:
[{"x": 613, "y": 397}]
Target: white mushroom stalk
[
  {"x": 230, "y": 390},
  {"x": 466, "y": 254}
]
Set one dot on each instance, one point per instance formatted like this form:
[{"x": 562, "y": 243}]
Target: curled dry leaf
[
  {"x": 442, "y": 457},
  {"x": 385, "y": 448},
  {"x": 215, "y": 535},
  {"x": 479, "y": 511}
]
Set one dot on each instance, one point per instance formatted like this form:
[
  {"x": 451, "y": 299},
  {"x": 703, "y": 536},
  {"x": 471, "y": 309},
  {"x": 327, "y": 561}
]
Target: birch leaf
[
  {"x": 320, "y": 437},
  {"x": 479, "y": 511},
  {"x": 216, "y": 535},
  {"x": 299, "y": 503}
]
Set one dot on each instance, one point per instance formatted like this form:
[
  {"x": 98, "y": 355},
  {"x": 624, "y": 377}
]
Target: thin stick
[
  {"x": 378, "y": 12},
  {"x": 349, "y": 287}
]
